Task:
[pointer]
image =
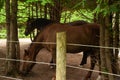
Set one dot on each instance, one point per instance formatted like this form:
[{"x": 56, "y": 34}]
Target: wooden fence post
[{"x": 61, "y": 56}]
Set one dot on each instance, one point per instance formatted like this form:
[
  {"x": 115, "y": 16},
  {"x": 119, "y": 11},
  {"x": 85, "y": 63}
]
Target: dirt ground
[{"x": 43, "y": 71}]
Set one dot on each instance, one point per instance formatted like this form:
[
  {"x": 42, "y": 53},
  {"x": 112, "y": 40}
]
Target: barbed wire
[{"x": 46, "y": 63}]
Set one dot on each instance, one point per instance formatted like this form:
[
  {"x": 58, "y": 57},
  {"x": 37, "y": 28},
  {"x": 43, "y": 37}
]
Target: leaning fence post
[{"x": 61, "y": 56}]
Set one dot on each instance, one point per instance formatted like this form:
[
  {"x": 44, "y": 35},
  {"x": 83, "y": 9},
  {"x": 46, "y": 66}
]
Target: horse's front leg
[{"x": 53, "y": 59}]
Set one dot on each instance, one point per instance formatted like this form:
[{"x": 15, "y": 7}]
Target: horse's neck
[
  {"x": 34, "y": 49},
  {"x": 36, "y": 46}
]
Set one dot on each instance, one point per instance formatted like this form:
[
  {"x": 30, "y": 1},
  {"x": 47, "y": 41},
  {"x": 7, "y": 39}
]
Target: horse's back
[
  {"x": 82, "y": 30},
  {"x": 75, "y": 34}
]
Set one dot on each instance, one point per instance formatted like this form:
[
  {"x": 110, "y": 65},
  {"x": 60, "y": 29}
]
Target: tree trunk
[
  {"x": 102, "y": 43},
  {"x": 36, "y": 5},
  {"x": 45, "y": 11},
  {"x": 116, "y": 44},
  {"x": 106, "y": 39},
  {"x": 7, "y": 7},
  {"x": 55, "y": 11},
  {"x": 108, "y": 55},
  {"x": 13, "y": 48}
]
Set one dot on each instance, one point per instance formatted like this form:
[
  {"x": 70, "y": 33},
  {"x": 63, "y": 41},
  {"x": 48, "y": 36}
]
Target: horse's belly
[{"x": 76, "y": 49}]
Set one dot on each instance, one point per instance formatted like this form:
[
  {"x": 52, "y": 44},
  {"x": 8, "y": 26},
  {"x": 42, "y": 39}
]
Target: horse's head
[
  {"x": 38, "y": 23},
  {"x": 29, "y": 26},
  {"x": 27, "y": 64}
]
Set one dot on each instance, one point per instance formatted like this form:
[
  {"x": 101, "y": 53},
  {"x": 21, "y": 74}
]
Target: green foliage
[
  {"x": 22, "y": 12},
  {"x": 72, "y": 8},
  {"x": 70, "y": 16},
  {"x": 43, "y": 2},
  {"x": 2, "y": 11},
  {"x": 106, "y": 8},
  {"x": 21, "y": 33},
  {"x": 1, "y": 4},
  {"x": 2, "y": 33},
  {"x": 79, "y": 4},
  {"x": 2, "y": 17},
  {"x": 115, "y": 7}
]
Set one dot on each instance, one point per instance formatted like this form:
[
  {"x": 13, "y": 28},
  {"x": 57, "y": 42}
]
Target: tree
[
  {"x": 55, "y": 10},
  {"x": 102, "y": 42},
  {"x": 7, "y": 7},
  {"x": 108, "y": 54},
  {"x": 105, "y": 10},
  {"x": 12, "y": 67},
  {"x": 116, "y": 42}
]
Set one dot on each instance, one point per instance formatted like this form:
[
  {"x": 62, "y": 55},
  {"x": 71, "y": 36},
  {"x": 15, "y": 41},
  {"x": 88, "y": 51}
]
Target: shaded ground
[{"x": 43, "y": 71}]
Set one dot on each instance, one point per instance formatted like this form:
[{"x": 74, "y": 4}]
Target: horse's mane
[
  {"x": 77, "y": 23},
  {"x": 42, "y": 22}
]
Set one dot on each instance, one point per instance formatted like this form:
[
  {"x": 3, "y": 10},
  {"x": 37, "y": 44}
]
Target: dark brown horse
[
  {"x": 85, "y": 34},
  {"x": 33, "y": 23},
  {"x": 38, "y": 23}
]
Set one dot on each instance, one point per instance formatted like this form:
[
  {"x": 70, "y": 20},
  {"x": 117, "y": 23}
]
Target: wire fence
[
  {"x": 70, "y": 44},
  {"x": 45, "y": 63},
  {"x": 10, "y": 78}
]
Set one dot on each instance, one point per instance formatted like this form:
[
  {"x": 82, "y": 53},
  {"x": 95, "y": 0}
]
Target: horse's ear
[{"x": 26, "y": 52}]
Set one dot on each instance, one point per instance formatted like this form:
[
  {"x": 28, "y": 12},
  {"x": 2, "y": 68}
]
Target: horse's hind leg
[
  {"x": 51, "y": 62},
  {"x": 93, "y": 62},
  {"x": 84, "y": 58}
]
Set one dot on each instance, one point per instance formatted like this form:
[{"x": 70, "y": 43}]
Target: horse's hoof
[
  {"x": 99, "y": 77},
  {"x": 51, "y": 67},
  {"x": 81, "y": 66}
]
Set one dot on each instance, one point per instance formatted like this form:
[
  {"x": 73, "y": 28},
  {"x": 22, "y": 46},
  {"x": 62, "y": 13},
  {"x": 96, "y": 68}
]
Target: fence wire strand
[
  {"x": 69, "y": 44},
  {"x": 10, "y": 78}
]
